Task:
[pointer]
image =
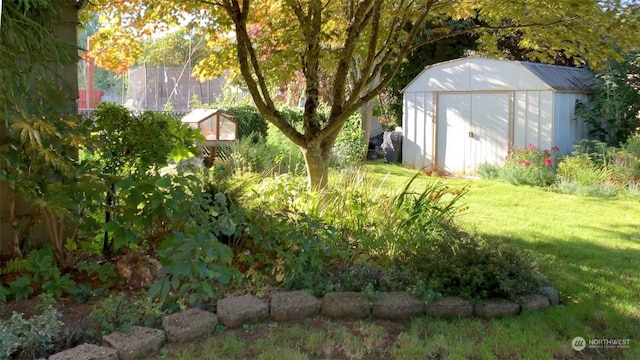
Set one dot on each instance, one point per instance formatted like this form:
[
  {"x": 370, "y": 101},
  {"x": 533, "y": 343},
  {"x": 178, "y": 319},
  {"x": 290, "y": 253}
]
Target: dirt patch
[{"x": 71, "y": 313}]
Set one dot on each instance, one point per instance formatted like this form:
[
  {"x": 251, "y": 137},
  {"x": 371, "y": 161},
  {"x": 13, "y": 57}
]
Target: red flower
[
  {"x": 556, "y": 148},
  {"x": 531, "y": 147},
  {"x": 526, "y": 163},
  {"x": 548, "y": 162}
]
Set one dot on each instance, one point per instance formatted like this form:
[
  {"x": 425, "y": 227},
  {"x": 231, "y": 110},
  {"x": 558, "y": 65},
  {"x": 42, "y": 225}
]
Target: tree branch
[
  {"x": 353, "y": 33},
  {"x": 248, "y": 68},
  {"x": 403, "y": 49},
  {"x": 366, "y": 72}
]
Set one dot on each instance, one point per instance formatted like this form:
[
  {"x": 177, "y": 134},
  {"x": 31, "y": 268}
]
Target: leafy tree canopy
[
  {"x": 181, "y": 47},
  {"x": 357, "y": 46},
  {"x": 27, "y": 46}
]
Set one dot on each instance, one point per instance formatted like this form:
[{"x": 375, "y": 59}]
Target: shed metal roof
[
  {"x": 562, "y": 78},
  {"x": 486, "y": 74}
]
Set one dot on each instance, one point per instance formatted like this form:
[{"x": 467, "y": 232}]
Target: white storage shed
[{"x": 462, "y": 113}]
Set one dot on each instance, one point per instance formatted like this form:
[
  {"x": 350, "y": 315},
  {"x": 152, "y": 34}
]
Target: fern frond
[{"x": 14, "y": 266}]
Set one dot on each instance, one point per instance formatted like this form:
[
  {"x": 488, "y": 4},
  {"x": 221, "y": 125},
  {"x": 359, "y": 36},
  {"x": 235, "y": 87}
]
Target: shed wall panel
[
  {"x": 418, "y": 129},
  {"x": 490, "y": 128},
  {"x": 567, "y": 130},
  {"x": 532, "y": 127},
  {"x": 454, "y": 112},
  {"x": 420, "y": 120},
  {"x": 545, "y": 122},
  {"x": 410, "y": 143},
  {"x": 409, "y": 146},
  {"x": 429, "y": 130},
  {"x": 536, "y": 126},
  {"x": 422, "y": 114},
  {"x": 520, "y": 119},
  {"x": 472, "y": 128}
]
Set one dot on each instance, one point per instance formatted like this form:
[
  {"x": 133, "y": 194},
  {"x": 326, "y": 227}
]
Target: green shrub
[
  {"x": 632, "y": 146},
  {"x": 251, "y": 154},
  {"x": 621, "y": 166},
  {"x": 294, "y": 115},
  {"x": 21, "y": 287},
  {"x": 4, "y": 293},
  {"x": 248, "y": 120},
  {"x": 123, "y": 151},
  {"x": 38, "y": 163},
  {"x": 154, "y": 207},
  {"x": 287, "y": 157},
  {"x": 354, "y": 237},
  {"x": 295, "y": 255},
  {"x": 581, "y": 170},
  {"x": 468, "y": 266},
  {"x": 59, "y": 285},
  {"x": 596, "y": 150},
  {"x": 38, "y": 270},
  {"x": 298, "y": 254},
  {"x": 624, "y": 167},
  {"x": 411, "y": 241},
  {"x": 529, "y": 166},
  {"x": 372, "y": 222},
  {"x": 355, "y": 211},
  {"x": 41, "y": 263},
  {"x": 30, "y": 338},
  {"x": 604, "y": 190},
  {"x": 105, "y": 272},
  {"x": 612, "y": 112},
  {"x": 176, "y": 215},
  {"x": 489, "y": 171},
  {"x": 193, "y": 258},
  {"x": 361, "y": 277},
  {"x": 285, "y": 192},
  {"x": 134, "y": 162},
  {"x": 121, "y": 313},
  {"x": 349, "y": 149}
]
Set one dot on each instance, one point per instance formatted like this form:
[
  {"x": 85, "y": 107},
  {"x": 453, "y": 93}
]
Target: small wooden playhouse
[
  {"x": 217, "y": 127},
  {"x": 465, "y": 112}
]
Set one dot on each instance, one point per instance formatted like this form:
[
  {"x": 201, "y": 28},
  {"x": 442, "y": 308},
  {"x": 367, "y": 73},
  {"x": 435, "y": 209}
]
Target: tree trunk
[
  {"x": 316, "y": 157},
  {"x": 55, "y": 232},
  {"x": 107, "y": 243},
  {"x": 14, "y": 241}
]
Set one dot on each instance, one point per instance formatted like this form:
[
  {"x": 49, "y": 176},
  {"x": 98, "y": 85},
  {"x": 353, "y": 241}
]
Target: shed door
[{"x": 472, "y": 129}]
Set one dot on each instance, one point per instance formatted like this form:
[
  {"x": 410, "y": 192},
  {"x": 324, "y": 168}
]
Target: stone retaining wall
[{"x": 235, "y": 311}]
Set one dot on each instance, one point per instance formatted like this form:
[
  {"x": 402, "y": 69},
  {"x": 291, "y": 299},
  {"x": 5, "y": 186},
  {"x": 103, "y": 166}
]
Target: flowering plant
[{"x": 529, "y": 166}]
